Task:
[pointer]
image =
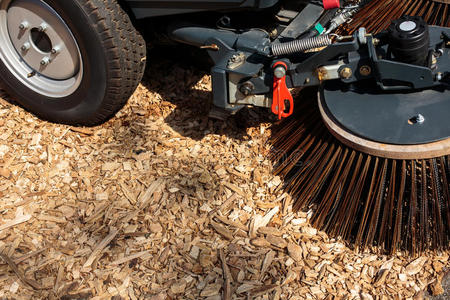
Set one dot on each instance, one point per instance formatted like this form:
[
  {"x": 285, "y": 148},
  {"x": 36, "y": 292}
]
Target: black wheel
[{"x": 73, "y": 61}]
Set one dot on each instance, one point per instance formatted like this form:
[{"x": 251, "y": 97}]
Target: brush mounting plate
[{"x": 400, "y": 118}]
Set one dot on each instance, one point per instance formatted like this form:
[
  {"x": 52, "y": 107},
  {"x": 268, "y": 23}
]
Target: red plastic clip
[
  {"x": 281, "y": 94},
  {"x": 330, "y": 4}
]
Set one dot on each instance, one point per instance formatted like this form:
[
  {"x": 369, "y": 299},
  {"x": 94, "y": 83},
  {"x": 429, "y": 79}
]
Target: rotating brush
[
  {"x": 378, "y": 14},
  {"x": 362, "y": 196},
  {"x": 364, "y": 199}
]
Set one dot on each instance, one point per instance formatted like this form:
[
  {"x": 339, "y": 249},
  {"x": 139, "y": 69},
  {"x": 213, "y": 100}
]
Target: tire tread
[{"x": 126, "y": 55}]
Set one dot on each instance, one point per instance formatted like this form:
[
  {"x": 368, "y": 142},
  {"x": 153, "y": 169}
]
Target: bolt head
[
  {"x": 365, "y": 70},
  {"x": 417, "y": 119},
  {"x": 24, "y": 25},
  {"x": 43, "y": 27},
  {"x": 25, "y": 47},
  {"x": 45, "y": 61},
  {"x": 55, "y": 50},
  {"x": 420, "y": 119},
  {"x": 279, "y": 72},
  {"x": 346, "y": 73},
  {"x": 247, "y": 88}
]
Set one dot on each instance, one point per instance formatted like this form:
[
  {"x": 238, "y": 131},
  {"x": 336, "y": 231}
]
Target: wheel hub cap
[
  {"x": 38, "y": 47},
  {"x": 42, "y": 39}
]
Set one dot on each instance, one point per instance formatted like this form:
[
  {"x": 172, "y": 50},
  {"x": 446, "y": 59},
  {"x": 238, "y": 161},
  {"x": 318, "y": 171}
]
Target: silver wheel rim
[{"x": 38, "y": 48}]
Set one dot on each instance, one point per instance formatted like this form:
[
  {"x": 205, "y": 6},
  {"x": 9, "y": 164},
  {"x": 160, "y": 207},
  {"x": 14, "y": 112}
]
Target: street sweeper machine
[{"x": 376, "y": 135}]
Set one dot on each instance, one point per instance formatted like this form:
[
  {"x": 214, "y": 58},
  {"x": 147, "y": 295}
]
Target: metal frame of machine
[{"x": 253, "y": 68}]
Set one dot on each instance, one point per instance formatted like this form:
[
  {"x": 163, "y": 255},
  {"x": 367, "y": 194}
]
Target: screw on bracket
[
  {"x": 365, "y": 70},
  {"x": 247, "y": 88},
  {"x": 236, "y": 60}
]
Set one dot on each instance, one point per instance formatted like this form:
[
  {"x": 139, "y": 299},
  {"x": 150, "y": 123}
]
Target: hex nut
[{"x": 346, "y": 73}]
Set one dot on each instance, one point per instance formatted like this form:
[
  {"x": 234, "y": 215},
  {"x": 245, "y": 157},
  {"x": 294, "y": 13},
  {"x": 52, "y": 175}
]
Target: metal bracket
[{"x": 302, "y": 22}]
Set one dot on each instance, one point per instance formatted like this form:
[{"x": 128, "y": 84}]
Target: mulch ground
[{"x": 163, "y": 203}]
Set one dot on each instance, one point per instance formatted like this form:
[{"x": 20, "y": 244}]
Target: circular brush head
[{"x": 366, "y": 199}]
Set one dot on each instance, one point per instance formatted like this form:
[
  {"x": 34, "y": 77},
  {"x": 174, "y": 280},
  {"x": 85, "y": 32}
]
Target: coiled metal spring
[{"x": 301, "y": 45}]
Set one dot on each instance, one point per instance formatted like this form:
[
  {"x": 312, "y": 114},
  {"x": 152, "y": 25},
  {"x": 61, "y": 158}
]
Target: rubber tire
[{"x": 113, "y": 54}]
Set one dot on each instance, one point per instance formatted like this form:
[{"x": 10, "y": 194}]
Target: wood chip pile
[{"x": 162, "y": 203}]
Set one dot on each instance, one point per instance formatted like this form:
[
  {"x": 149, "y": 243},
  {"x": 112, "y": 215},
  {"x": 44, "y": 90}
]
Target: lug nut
[
  {"x": 43, "y": 27},
  {"x": 55, "y": 50},
  {"x": 279, "y": 72},
  {"x": 25, "y": 47},
  {"x": 346, "y": 73},
  {"x": 24, "y": 25},
  {"x": 45, "y": 61}
]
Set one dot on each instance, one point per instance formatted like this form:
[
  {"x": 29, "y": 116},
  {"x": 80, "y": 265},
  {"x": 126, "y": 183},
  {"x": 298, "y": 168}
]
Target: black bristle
[{"x": 366, "y": 200}]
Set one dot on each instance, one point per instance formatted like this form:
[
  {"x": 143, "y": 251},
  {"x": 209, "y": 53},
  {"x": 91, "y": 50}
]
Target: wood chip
[
  {"x": 268, "y": 259},
  {"x": 277, "y": 241},
  {"x": 383, "y": 273},
  {"x": 290, "y": 277},
  {"x": 82, "y": 130},
  {"x": 100, "y": 246},
  {"x": 232, "y": 223},
  {"x": 295, "y": 252},
  {"x": 19, "y": 274},
  {"x": 16, "y": 221},
  {"x": 234, "y": 188},
  {"x": 270, "y": 231},
  {"x": 259, "y": 291},
  {"x": 129, "y": 258},
  {"x": 222, "y": 230},
  {"x": 266, "y": 219},
  {"x": 415, "y": 266},
  {"x": 5, "y": 172},
  {"x": 226, "y": 277},
  {"x": 53, "y": 219},
  {"x": 260, "y": 242},
  {"x": 436, "y": 287}
]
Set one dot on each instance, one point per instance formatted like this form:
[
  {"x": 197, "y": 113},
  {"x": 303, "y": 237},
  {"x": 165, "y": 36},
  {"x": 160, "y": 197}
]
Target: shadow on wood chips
[{"x": 179, "y": 73}]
